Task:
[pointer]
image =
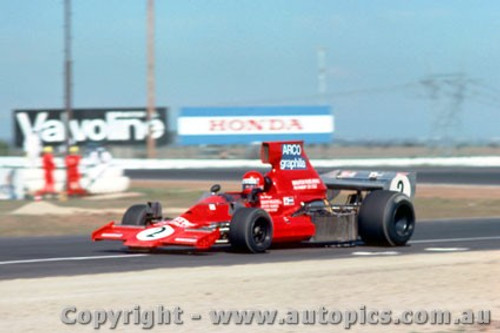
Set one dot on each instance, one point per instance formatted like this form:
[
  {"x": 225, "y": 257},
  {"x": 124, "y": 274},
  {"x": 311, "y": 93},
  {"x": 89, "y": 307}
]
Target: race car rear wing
[{"x": 360, "y": 180}]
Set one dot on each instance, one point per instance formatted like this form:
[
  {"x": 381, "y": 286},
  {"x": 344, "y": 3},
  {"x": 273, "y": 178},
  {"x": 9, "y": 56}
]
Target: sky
[{"x": 265, "y": 52}]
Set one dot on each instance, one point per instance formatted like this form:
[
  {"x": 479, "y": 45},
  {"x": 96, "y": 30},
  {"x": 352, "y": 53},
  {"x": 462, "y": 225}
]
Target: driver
[{"x": 251, "y": 184}]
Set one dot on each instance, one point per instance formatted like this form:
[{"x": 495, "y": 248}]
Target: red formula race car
[{"x": 290, "y": 203}]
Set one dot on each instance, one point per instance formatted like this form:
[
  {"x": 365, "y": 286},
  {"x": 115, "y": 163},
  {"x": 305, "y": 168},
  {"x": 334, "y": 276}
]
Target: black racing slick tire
[
  {"x": 386, "y": 218},
  {"x": 135, "y": 215},
  {"x": 250, "y": 230}
]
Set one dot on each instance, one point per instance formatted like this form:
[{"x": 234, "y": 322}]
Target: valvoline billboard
[
  {"x": 243, "y": 125},
  {"x": 109, "y": 126}
]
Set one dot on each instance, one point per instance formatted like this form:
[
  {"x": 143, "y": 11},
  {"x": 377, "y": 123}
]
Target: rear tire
[
  {"x": 250, "y": 230},
  {"x": 386, "y": 218},
  {"x": 136, "y": 215}
]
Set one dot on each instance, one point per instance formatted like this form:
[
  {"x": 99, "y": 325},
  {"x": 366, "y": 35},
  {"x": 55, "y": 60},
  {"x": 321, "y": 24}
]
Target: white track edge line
[
  {"x": 449, "y": 240},
  {"x": 32, "y": 261}
]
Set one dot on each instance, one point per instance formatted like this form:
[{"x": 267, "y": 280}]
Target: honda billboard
[{"x": 243, "y": 125}]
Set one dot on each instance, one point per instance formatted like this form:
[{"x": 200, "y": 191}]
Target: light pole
[
  {"x": 68, "y": 84},
  {"x": 322, "y": 75},
  {"x": 151, "y": 145}
]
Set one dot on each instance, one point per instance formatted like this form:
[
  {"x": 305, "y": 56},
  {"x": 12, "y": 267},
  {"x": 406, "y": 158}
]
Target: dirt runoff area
[{"x": 452, "y": 281}]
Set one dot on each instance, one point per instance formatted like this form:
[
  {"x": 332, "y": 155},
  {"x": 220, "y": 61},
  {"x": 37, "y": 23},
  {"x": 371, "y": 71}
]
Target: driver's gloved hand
[{"x": 253, "y": 196}]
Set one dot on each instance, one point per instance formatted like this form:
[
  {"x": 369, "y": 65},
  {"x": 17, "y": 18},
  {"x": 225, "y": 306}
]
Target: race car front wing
[{"x": 157, "y": 235}]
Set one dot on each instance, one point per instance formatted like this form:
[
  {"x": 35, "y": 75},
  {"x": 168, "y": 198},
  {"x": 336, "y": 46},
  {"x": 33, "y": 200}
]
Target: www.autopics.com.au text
[{"x": 160, "y": 315}]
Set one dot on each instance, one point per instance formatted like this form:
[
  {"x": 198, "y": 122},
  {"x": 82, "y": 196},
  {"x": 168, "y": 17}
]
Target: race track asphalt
[
  {"x": 431, "y": 175},
  {"x": 76, "y": 255}
]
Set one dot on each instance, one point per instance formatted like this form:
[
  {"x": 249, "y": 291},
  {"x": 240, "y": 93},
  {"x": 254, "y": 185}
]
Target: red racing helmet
[{"x": 251, "y": 180}]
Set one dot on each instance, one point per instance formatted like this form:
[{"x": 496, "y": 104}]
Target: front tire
[
  {"x": 386, "y": 218},
  {"x": 250, "y": 230},
  {"x": 136, "y": 215}
]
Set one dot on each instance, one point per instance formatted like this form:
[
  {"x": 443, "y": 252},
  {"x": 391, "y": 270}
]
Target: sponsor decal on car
[
  {"x": 306, "y": 184},
  {"x": 185, "y": 240},
  {"x": 180, "y": 221},
  {"x": 288, "y": 201},
  {"x": 269, "y": 203},
  {"x": 291, "y": 157},
  {"x": 375, "y": 175},
  {"x": 347, "y": 174},
  {"x": 106, "y": 234}
]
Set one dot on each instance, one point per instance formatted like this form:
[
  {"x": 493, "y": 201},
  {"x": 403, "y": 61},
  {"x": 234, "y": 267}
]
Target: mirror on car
[{"x": 215, "y": 188}]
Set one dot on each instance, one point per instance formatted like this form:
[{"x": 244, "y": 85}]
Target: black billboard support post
[
  {"x": 151, "y": 144},
  {"x": 68, "y": 84}
]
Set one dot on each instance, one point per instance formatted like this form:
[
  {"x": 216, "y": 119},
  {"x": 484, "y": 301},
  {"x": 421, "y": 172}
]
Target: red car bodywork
[{"x": 292, "y": 181}]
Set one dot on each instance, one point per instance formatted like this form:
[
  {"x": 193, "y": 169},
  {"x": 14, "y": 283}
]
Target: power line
[
  {"x": 315, "y": 97},
  {"x": 447, "y": 94},
  {"x": 486, "y": 86}
]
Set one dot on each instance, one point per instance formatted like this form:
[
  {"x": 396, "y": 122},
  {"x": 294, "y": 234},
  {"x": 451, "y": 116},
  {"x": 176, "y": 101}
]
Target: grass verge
[{"x": 432, "y": 202}]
